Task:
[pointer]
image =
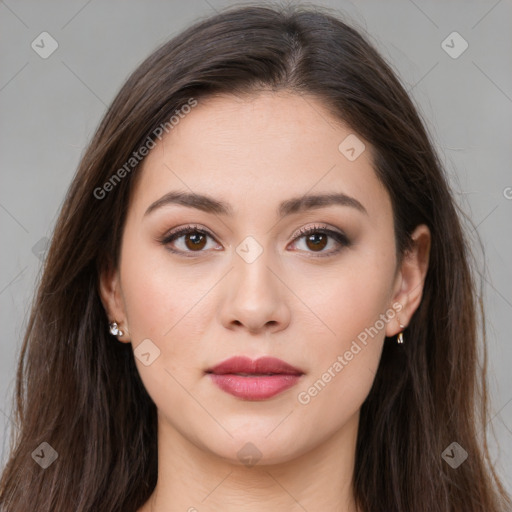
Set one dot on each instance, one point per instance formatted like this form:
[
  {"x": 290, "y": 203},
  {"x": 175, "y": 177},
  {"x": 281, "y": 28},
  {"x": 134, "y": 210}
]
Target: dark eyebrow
[
  {"x": 310, "y": 202},
  {"x": 288, "y": 207},
  {"x": 199, "y": 201}
]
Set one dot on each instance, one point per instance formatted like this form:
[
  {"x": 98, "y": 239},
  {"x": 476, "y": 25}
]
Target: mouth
[
  {"x": 249, "y": 374},
  {"x": 254, "y": 380}
]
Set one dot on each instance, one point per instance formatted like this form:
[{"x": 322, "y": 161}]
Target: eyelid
[
  {"x": 316, "y": 227},
  {"x": 180, "y": 231},
  {"x": 185, "y": 229},
  {"x": 339, "y": 236}
]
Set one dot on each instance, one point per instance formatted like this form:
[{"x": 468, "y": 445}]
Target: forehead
[
  {"x": 240, "y": 127},
  {"x": 260, "y": 148}
]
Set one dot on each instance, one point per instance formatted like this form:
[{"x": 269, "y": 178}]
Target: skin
[{"x": 290, "y": 303}]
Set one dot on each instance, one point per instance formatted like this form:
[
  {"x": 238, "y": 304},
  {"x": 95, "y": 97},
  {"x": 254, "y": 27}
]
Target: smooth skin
[{"x": 304, "y": 299}]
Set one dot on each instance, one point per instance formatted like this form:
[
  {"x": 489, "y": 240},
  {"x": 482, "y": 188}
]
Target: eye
[
  {"x": 187, "y": 239},
  {"x": 317, "y": 238},
  {"x": 190, "y": 239}
]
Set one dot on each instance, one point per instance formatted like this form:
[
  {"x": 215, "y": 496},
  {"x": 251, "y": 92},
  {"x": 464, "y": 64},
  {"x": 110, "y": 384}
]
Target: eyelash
[{"x": 185, "y": 230}]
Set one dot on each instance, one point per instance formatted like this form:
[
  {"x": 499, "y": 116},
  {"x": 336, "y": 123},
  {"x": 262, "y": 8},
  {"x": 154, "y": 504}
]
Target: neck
[{"x": 194, "y": 479}]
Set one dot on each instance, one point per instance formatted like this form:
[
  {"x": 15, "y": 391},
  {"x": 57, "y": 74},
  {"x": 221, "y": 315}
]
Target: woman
[{"x": 258, "y": 294}]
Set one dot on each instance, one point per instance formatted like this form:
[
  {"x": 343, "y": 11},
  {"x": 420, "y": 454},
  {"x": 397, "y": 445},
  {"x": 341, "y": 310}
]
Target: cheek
[
  {"x": 166, "y": 305},
  {"x": 345, "y": 357},
  {"x": 349, "y": 301},
  {"x": 348, "y": 297},
  {"x": 331, "y": 397},
  {"x": 160, "y": 296},
  {"x": 163, "y": 304}
]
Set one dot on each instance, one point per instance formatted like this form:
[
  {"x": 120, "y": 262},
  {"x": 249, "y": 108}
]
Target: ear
[
  {"x": 410, "y": 279},
  {"x": 112, "y": 299}
]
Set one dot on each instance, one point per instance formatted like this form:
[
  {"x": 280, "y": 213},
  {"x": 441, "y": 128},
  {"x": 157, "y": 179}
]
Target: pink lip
[{"x": 257, "y": 384}]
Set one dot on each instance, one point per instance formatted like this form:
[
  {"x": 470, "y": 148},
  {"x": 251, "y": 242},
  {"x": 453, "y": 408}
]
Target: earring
[
  {"x": 400, "y": 337},
  {"x": 114, "y": 329}
]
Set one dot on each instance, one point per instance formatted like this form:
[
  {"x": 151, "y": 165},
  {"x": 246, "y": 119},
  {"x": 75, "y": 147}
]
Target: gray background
[{"x": 50, "y": 108}]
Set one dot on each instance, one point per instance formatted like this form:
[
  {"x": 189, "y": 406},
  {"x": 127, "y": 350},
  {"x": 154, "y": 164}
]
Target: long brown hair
[{"x": 79, "y": 390}]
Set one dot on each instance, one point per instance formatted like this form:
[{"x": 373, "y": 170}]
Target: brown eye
[
  {"x": 187, "y": 240},
  {"x": 316, "y": 241},
  {"x": 195, "y": 241}
]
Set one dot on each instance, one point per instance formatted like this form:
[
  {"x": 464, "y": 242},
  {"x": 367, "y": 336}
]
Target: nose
[{"x": 255, "y": 298}]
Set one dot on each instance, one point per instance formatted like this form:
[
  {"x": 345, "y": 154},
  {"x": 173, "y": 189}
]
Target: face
[{"x": 261, "y": 270}]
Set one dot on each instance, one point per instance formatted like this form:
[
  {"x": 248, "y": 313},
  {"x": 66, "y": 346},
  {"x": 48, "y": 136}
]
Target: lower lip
[{"x": 254, "y": 388}]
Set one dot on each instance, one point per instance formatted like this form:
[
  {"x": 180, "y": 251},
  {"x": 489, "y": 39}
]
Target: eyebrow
[{"x": 289, "y": 207}]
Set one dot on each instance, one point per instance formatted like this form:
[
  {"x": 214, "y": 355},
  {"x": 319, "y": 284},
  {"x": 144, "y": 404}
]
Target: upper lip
[{"x": 262, "y": 365}]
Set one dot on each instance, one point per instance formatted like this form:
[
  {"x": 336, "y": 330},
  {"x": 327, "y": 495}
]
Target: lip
[{"x": 254, "y": 380}]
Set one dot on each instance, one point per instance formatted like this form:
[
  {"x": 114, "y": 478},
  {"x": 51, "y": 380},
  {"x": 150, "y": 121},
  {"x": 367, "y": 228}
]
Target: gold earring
[{"x": 400, "y": 337}]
